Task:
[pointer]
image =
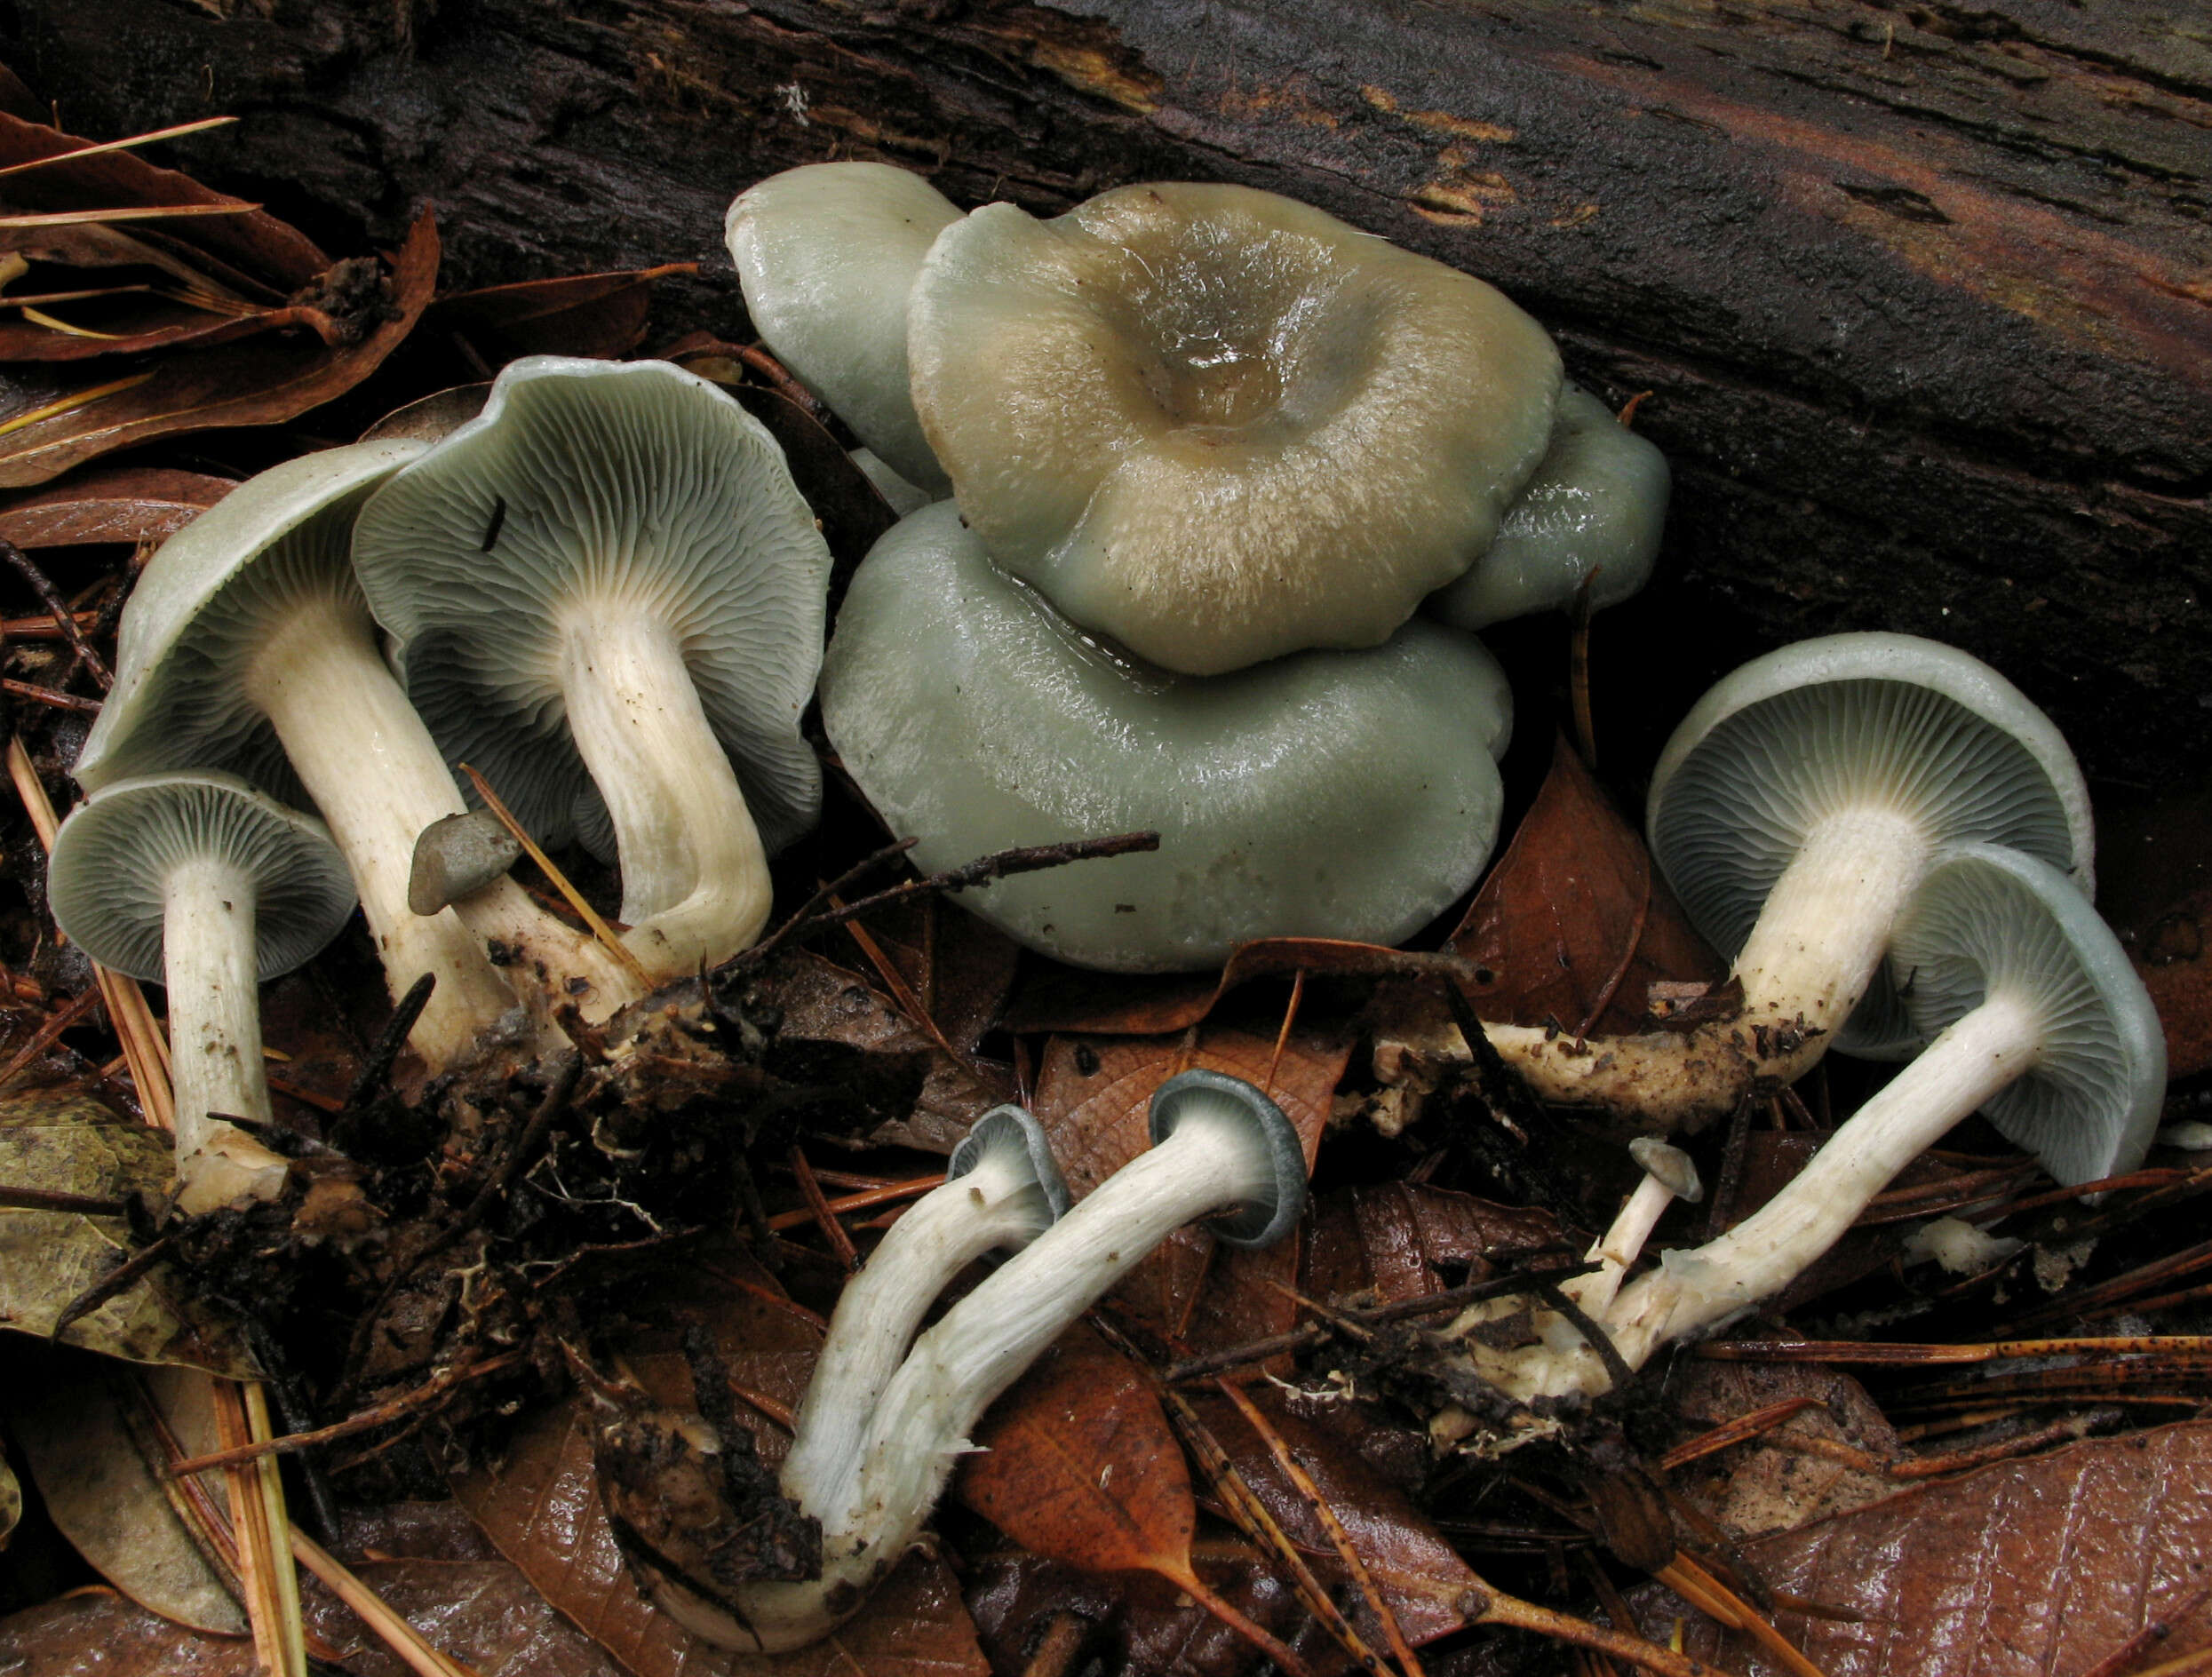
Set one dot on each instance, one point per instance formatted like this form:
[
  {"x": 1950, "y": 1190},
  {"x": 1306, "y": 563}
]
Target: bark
[{"x": 1924, "y": 295}]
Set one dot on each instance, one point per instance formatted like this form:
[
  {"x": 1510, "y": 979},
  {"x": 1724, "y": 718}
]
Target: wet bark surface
[{"x": 1923, "y": 294}]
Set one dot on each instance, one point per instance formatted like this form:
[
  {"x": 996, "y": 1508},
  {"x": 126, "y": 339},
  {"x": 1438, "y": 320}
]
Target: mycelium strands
[
  {"x": 826, "y": 255},
  {"x": 163, "y": 877},
  {"x": 1794, "y": 812},
  {"x": 1592, "y": 513},
  {"x": 2035, "y": 1015},
  {"x": 1001, "y": 1190},
  {"x": 1219, "y": 425},
  {"x": 607, "y": 578},
  {"x": 1327, "y": 794},
  {"x": 1219, "y": 1144},
  {"x": 257, "y": 593}
]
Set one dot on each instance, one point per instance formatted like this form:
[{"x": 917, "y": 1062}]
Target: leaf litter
[{"x": 456, "y": 1253}]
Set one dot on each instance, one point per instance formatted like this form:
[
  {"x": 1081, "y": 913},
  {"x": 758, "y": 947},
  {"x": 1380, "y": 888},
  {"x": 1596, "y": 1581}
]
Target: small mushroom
[
  {"x": 209, "y": 888},
  {"x": 826, "y": 254},
  {"x": 1794, "y": 812},
  {"x": 1001, "y": 1190},
  {"x": 1330, "y": 794},
  {"x": 246, "y": 646},
  {"x": 1219, "y": 425},
  {"x": 1220, "y": 1146},
  {"x": 1592, "y": 513},
  {"x": 618, "y": 547},
  {"x": 2033, "y": 1014},
  {"x": 1669, "y": 1174}
]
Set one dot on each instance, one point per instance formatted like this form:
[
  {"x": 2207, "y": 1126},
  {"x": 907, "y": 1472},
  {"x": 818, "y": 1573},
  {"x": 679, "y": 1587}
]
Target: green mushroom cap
[{"x": 1330, "y": 794}]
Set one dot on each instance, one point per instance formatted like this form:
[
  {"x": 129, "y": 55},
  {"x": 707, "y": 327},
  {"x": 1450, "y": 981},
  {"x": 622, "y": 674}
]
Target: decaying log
[{"x": 1925, "y": 293}]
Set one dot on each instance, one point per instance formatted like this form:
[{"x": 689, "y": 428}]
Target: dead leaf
[
  {"x": 97, "y": 1633},
  {"x": 260, "y": 381},
  {"x": 89, "y": 1437},
  {"x": 430, "y": 418},
  {"x": 1063, "y": 998},
  {"x": 111, "y": 503},
  {"x": 62, "y": 1142},
  {"x": 10, "y": 1503},
  {"x": 1574, "y": 924},
  {"x": 540, "y": 1506},
  {"x": 1419, "y": 1575},
  {"x": 962, "y": 968},
  {"x": 1780, "y": 1480},
  {"x": 598, "y": 316},
  {"x": 1093, "y": 1094},
  {"x": 2027, "y": 1569},
  {"x": 1402, "y": 1240}
]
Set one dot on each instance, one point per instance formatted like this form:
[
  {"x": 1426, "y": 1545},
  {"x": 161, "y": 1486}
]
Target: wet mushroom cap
[
  {"x": 213, "y": 593},
  {"x": 1331, "y": 794},
  {"x": 826, "y": 254},
  {"x": 114, "y": 854},
  {"x": 1928, "y": 735},
  {"x": 1595, "y": 509},
  {"x": 1265, "y": 1216},
  {"x": 1989, "y": 921},
  {"x": 585, "y": 490},
  {"x": 1221, "y": 426}
]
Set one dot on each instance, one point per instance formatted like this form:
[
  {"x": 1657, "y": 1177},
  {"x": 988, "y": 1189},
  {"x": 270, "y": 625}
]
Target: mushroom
[
  {"x": 1592, "y": 514},
  {"x": 1220, "y": 1146},
  {"x": 2033, "y": 1014},
  {"x": 826, "y": 254},
  {"x": 1001, "y": 1189},
  {"x": 1794, "y": 812},
  {"x": 617, "y": 546},
  {"x": 1333, "y": 794},
  {"x": 246, "y": 646},
  {"x": 1669, "y": 1174},
  {"x": 1219, "y": 425},
  {"x": 198, "y": 882}
]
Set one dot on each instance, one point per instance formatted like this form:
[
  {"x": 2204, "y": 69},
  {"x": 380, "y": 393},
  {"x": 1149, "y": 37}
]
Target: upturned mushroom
[
  {"x": 246, "y": 646},
  {"x": 1219, "y": 1148},
  {"x": 826, "y": 255},
  {"x": 1591, "y": 516},
  {"x": 1219, "y": 425},
  {"x": 201, "y": 884},
  {"x": 610, "y": 572},
  {"x": 1001, "y": 1190},
  {"x": 1794, "y": 812},
  {"x": 1329, "y": 794},
  {"x": 2033, "y": 1014}
]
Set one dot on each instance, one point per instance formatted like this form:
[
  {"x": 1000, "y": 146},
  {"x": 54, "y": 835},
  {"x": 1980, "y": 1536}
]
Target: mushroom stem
[
  {"x": 1974, "y": 1059},
  {"x": 1620, "y": 1244},
  {"x": 982, "y": 1345},
  {"x": 1814, "y": 949},
  {"x": 215, "y": 1035},
  {"x": 999, "y": 1203},
  {"x": 695, "y": 876},
  {"x": 376, "y": 774}
]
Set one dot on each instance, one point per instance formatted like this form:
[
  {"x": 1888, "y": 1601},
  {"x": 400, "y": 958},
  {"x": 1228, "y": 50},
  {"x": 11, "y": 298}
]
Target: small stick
[
  {"x": 38, "y": 1199},
  {"x": 1282, "y": 1037},
  {"x": 860, "y": 869},
  {"x": 58, "y": 608},
  {"x": 1690, "y": 1581},
  {"x": 1488, "y": 1606},
  {"x": 181, "y": 128},
  {"x": 833, "y": 1231},
  {"x": 133, "y": 212},
  {"x": 395, "y": 1633},
  {"x": 377, "y": 1067},
  {"x": 1879, "y": 1356},
  {"x": 68, "y": 1014},
  {"x": 1742, "y": 1430},
  {"x": 72, "y": 401},
  {"x": 45, "y": 628},
  {"x": 114, "y": 1284},
  {"x": 889, "y": 1194},
  {"x": 383, "y": 1414},
  {"x": 37, "y": 694},
  {"x": 600, "y": 930},
  {"x": 257, "y": 1517}
]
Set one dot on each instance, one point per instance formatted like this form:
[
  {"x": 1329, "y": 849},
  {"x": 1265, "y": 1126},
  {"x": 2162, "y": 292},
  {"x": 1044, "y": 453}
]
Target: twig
[
  {"x": 256, "y": 1516},
  {"x": 114, "y": 1283},
  {"x": 37, "y": 694},
  {"x": 371, "y": 1609},
  {"x": 68, "y": 1014},
  {"x": 1698, "y": 1587},
  {"x": 829, "y": 893},
  {"x": 39, "y": 1199},
  {"x": 57, "y": 607},
  {"x": 833, "y": 1231},
  {"x": 1873, "y": 1354},
  {"x": 1742, "y": 1430},
  {"x": 179, "y": 132},
  {"x": 69, "y": 403},
  {"x": 1487, "y": 1606},
  {"x": 385, "y": 1050},
  {"x": 383, "y": 1414},
  {"x": 133, "y": 212},
  {"x": 889, "y": 1194},
  {"x": 600, "y": 930}
]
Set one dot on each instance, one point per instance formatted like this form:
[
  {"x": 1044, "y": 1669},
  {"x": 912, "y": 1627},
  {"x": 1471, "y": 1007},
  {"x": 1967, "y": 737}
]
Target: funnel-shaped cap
[{"x": 1009, "y": 1138}]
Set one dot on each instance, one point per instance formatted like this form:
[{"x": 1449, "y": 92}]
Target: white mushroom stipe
[
  {"x": 2036, "y": 1018},
  {"x": 1670, "y": 1175},
  {"x": 608, "y": 579},
  {"x": 201, "y": 883},
  {"x": 247, "y": 645},
  {"x": 1001, "y": 1191},
  {"x": 1794, "y": 812},
  {"x": 1221, "y": 1145}
]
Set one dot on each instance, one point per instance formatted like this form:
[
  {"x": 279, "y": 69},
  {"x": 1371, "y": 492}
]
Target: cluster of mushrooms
[{"x": 1204, "y": 494}]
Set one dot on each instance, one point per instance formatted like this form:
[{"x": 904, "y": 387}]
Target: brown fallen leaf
[
  {"x": 540, "y": 1506},
  {"x": 1788, "y": 1476},
  {"x": 1093, "y": 1094},
  {"x": 110, "y": 503},
  {"x": 1077, "y": 1464},
  {"x": 2029, "y": 1569},
  {"x": 259, "y": 381},
  {"x": 1574, "y": 924},
  {"x": 1400, "y": 1240}
]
